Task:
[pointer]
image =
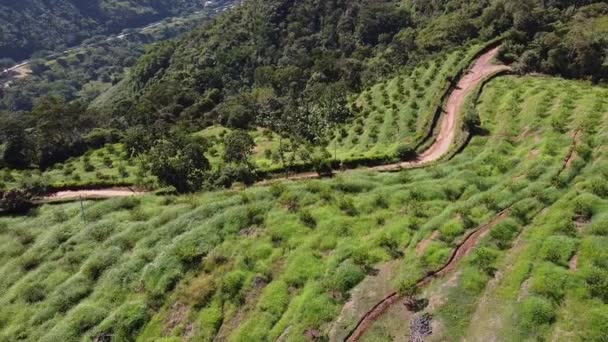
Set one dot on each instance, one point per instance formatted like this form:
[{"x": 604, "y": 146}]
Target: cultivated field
[{"x": 280, "y": 262}]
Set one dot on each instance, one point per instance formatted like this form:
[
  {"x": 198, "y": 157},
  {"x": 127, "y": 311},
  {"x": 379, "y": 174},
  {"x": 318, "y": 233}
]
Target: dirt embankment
[{"x": 461, "y": 250}]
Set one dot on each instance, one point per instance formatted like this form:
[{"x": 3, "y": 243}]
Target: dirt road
[
  {"x": 480, "y": 70},
  {"x": 63, "y": 196}
]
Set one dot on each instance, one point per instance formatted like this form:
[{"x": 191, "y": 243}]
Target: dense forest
[{"x": 30, "y": 26}]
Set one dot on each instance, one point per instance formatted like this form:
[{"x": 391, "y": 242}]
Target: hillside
[
  {"x": 322, "y": 171},
  {"x": 33, "y": 25},
  {"x": 282, "y": 260}
]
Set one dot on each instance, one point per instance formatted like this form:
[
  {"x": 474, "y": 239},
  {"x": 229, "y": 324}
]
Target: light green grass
[{"x": 278, "y": 261}]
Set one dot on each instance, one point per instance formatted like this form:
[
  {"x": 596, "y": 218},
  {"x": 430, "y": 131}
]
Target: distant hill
[{"x": 31, "y": 25}]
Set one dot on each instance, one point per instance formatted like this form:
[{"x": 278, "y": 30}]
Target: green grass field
[{"x": 279, "y": 262}]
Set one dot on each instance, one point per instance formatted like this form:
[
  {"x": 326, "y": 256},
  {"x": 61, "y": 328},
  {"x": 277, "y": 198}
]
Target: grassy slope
[{"x": 279, "y": 261}]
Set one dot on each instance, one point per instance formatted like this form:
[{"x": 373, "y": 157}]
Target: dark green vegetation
[
  {"x": 29, "y": 26},
  {"x": 86, "y": 72}
]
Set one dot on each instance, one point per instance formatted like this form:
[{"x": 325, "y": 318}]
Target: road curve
[{"x": 479, "y": 71}]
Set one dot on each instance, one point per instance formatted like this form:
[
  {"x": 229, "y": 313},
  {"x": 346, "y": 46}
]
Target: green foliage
[
  {"x": 238, "y": 146},
  {"x": 535, "y": 312},
  {"x": 345, "y": 277},
  {"x": 558, "y": 249},
  {"x": 179, "y": 163},
  {"x": 598, "y": 325},
  {"x": 550, "y": 281},
  {"x": 504, "y": 232}
]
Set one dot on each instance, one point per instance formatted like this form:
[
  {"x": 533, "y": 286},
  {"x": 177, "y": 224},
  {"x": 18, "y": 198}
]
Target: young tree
[
  {"x": 179, "y": 162},
  {"x": 238, "y": 147}
]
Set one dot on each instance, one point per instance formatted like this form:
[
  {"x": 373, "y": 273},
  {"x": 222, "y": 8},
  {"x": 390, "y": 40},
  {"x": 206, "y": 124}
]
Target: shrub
[
  {"x": 599, "y": 226},
  {"x": 301, "y": 267},
  {"x": 536, "y": 311},
  {"x": 597, "y": 281},
  {"x": 504, "y": 232},
  {"x": 345, "y": 277},
  {"x": 107, "y": 161},
  {"x": 307, "y": 219},
  {"x": 347, "y": 205},
  {"x": 100, "y": 261},
  {"x": 274, "y": 299},
  {"x": 34, "y": 293},
  {"x": 88, "y": 167},
  {"x": 406, "y": 152},
  {"x": 484, "y": 259},
  {"x": 451, "y": 230},
  {"x": 599, "y": 187},
  {"x": 558, "y": 249},
  {"x": 550, "y": 281},
  {"x": 125, "y": 322},
  {"x": 232, "y": 283},
  {"x": 597, "y": 326},
  {"x": 15, "y": 201}
]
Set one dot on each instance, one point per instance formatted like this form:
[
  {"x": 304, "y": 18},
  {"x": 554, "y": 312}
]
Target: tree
[
  {"x": 238, "y": 147},
  {"x": 15, "y": 201},
  {"x": 179, "y": 162}
]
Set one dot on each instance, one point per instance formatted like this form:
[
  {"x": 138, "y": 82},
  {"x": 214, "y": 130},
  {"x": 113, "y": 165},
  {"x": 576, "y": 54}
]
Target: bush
[
  {"x": 274, "y": 299},
  {"x": 347, "y": 205},
  {"x": 307, "y": 219},
  {"x": 232, "y": 283},
  {"x": 484, "y": 259},
  {"x": 597, "y": 326},
  {"x": 406, "y": 152},
  {"x": 34, "y": 293},
  {"x": 597, "y": 282},
  {"x": 504, "y": 232},
  {"x": 451, "y": 230},
  {"x": 558, "y": 249},
  {"x": 536, "y": 311},
  {"x": 550, "y": 281},
  {"x": 345, "y": 277},
  {"x": 15, "y": 201}
]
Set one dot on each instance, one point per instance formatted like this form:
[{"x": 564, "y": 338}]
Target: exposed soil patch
[
  {"x": 572, "y": 152},
  {"x": 370, "y": 291},
  {"x": 580, "y": 222},
  {"x": 175, "y": 317},
  {"x": 573, "y": 264}
]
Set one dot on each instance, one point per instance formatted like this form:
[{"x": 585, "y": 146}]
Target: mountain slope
[{"x": 31, "y": 25}]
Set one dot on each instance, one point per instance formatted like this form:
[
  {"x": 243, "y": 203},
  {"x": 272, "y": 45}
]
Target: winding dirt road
[{"x": 481, "y": 69}]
